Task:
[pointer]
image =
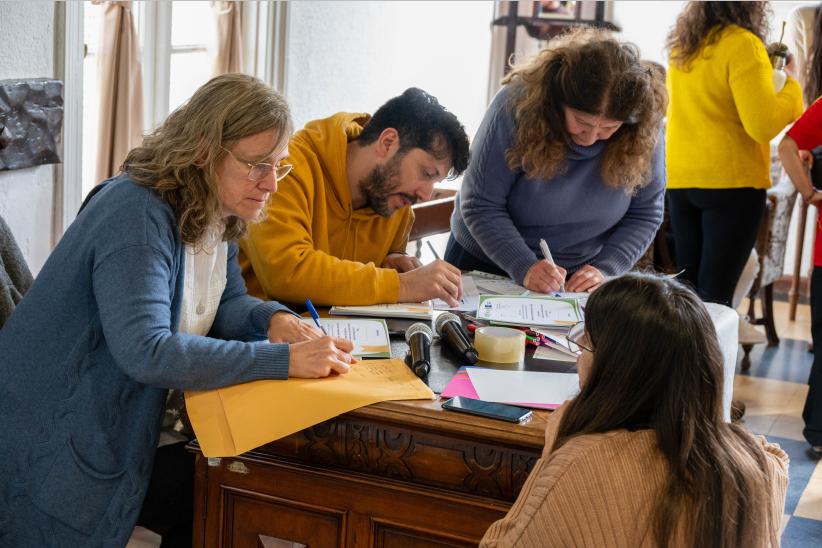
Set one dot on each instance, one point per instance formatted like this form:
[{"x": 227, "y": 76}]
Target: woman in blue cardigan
[
  {"x": 144, "y": 294},
  {"x": 569, "y": 151}
]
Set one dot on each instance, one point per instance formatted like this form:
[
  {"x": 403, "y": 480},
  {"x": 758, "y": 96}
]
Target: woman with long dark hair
[
  {"x": 723, "y": 112},
  {"x": 570, "y": 151},
  {"x": 642, "y": 456}
]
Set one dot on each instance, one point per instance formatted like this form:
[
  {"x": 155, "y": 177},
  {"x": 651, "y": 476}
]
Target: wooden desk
[{"x": 390, "y": 474}]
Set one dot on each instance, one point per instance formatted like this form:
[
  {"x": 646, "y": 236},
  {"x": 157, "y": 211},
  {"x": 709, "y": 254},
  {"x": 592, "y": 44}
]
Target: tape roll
[{"x": 500, "y": 344}]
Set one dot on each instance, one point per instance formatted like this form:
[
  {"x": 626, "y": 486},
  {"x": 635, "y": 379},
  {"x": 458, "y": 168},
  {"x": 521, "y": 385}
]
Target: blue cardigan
[
  {"x": 85, "y": 363},
  {"x": 501, "y": 214}
]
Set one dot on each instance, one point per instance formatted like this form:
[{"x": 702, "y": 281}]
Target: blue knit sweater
[
  {"x": 86, "y": 360},
  {"x": 500, "y": 214}
]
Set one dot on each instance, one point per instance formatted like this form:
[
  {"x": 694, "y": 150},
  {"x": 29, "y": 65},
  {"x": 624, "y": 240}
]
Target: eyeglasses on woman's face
[
  {"x": 257, "y": 171},
  {"x": 578, "y": 339}
]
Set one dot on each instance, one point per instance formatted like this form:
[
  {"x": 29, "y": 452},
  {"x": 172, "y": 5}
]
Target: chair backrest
[{"x": 433, "y": 217}]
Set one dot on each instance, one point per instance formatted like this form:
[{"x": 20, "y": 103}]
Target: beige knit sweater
[{"x": 598, "y": 490}]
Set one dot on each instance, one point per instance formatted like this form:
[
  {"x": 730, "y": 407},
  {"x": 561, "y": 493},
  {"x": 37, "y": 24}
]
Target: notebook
[{"x": 416, "y": 311}]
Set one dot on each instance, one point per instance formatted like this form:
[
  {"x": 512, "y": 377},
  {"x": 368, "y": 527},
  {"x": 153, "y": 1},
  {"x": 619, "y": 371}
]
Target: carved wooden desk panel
[{"x": 391, "y": 474}]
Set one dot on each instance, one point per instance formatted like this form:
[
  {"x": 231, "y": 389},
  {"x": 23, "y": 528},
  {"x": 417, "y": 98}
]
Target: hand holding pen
[{"x": 544, "y": 276}]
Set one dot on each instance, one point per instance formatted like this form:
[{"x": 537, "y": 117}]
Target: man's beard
[{"x": 381, "y": 183}]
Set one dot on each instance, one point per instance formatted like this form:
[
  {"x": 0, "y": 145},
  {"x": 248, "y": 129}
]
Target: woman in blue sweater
[
  {"x": 570, "y": 150},
  {"x": 143, "y": 294}
]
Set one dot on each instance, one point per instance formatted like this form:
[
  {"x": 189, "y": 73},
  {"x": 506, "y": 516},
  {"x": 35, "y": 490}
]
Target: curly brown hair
[
  {"x": 700, "y": 23},
  {"x": 179, "y": 159},
  {"x": 588, "y": 70}
]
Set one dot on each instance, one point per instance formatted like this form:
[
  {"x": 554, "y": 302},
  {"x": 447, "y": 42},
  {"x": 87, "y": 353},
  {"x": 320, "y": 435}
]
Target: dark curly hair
[
  {"x": 588, "y": 70},
  {"x": 421, "y": 122},
  {"x": 700, "y": 23}
]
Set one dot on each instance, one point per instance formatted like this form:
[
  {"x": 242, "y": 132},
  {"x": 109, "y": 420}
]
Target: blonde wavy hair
[
  {"x": 587, "y": 70},
  {"x": 179, "y": 159}
]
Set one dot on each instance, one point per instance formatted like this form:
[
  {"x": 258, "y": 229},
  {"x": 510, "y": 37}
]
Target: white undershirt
[{"x": 203, "y": 285}]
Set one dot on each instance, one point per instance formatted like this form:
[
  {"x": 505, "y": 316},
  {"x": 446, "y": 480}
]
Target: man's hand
[
  {"x": 288, "y": 328},
  {"x": 401, "y": 262},
  {"x": 437, "y": 280},
  {"x": 320, "y": 357},
  {"x": 544, "y": 277},
  {"x": 586, "y": 278}
]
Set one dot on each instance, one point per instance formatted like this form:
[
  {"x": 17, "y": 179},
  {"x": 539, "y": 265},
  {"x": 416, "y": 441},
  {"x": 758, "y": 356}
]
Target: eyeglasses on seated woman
[{"x": 642, "y": 455}]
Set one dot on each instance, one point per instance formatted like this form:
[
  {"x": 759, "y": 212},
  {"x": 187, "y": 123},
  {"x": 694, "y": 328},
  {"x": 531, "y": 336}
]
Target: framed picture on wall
[{"x": 557, "y": 9}]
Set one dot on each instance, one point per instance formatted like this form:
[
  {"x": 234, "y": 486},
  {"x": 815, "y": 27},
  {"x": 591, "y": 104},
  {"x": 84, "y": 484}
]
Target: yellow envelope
[{"x": 233, "y": 420}]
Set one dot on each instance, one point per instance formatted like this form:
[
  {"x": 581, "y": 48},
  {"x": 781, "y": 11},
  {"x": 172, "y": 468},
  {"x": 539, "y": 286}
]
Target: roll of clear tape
[{"x": 500, "y": 344}]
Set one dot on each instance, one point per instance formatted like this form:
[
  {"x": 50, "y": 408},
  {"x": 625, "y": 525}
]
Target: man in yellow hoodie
[{"x": 337, "y": 228}]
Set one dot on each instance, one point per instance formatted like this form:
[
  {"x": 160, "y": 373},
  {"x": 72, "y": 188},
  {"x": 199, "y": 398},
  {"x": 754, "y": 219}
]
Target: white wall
[
  {"x": 353, "y": 56},
  {"x": 27, "y": 195}
]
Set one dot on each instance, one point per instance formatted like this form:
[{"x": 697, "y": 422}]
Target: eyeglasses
[
  {"x": 578, "y": 339},
  {"x": 260, "y": 170}
]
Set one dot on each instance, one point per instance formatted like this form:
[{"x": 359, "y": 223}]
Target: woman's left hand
[
  {"x": 288, "y": 328},
  {"x": 401, "y": 262},
  {"x": 586, "y": 278}
]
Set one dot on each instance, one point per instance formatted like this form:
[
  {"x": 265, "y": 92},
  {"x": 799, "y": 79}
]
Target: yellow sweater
[
  {"x": 599, "y": 490},
  {"x": 311, "y": 243},
  {"x": 723, "y": 112}
]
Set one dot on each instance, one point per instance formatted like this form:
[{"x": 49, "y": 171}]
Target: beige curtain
[
  {"x": 229, "y": 57},
  {"x": 121, "y": 95}
]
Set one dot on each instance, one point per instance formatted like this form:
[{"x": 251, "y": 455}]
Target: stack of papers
[
  {"x": 533, "y": 311},
  {"x": 370, "y": 336},
  {"x": 526, "y": 388},
  {"x": 415, "y": 311}
]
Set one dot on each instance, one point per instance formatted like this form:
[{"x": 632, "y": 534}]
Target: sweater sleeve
[
  {"x": 778, "y": 461},
  {"x": 629, "y": 239},
  {"x": 484, "y": 194},
  {"x": 763, "y": 112},
  {"x": 288, "y": 265},
  {"x": 241, "y": 316},
  {"x": 135, "y": 314}
]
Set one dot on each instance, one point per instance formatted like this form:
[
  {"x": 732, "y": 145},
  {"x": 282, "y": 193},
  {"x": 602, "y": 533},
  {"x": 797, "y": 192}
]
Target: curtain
[
  {"x": 229, "y": 55},
  {"x": 120, "y": 88}
]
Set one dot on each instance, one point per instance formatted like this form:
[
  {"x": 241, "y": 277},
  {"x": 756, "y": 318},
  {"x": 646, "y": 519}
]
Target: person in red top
[{"x": 794, "y": 151}]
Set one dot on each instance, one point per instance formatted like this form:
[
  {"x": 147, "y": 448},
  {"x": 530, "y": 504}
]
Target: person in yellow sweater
[
  {"x": 642, "y": 456},
  {"x": 337, "y": 228},
  {"x": 723, "y": 112}
]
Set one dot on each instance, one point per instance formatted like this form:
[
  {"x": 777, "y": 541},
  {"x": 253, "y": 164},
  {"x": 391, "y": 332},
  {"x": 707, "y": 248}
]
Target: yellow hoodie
[{"x": 311, "y": 243}]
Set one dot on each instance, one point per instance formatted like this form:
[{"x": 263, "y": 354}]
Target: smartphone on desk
[{"x": 501, "y": 411}]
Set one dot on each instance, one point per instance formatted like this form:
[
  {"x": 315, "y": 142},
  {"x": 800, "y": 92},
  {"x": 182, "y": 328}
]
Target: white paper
[
  {"x": 549, "y": 353},
  {"x": 370, "y": 337},
  {"x": 523, "y": 386},
  {"x": 500, "y": 286},
  {"x": 542, "y": 311}
]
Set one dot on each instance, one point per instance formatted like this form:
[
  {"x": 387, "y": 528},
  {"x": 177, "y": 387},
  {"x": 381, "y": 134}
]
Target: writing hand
[
  {"x": 286, "y": 327},
  {"x": 437, "y": 280},
  {"x": 401, "y": 262},
  {"x": 319, "y": 358},
  {"x": 544, "y": 277}
]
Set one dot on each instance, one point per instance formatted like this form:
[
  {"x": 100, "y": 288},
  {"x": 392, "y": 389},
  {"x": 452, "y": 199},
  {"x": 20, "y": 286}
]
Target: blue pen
[{"x": 313, "y": 312}]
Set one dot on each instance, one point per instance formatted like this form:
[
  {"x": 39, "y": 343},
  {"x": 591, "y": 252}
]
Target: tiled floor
[{"x": 774, "y": 392}]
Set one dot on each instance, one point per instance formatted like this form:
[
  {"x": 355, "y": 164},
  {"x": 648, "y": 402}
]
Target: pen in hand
[
  {"x": 313, "y": 312},
  {"x": 546, "y": 252},
  {"x": 431, "y": 247}
]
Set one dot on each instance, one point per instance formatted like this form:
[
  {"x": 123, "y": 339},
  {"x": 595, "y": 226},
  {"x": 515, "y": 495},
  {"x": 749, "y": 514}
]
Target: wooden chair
[
  {"x": 432, "y": 217},
  {"x": 770, "y": 245}
]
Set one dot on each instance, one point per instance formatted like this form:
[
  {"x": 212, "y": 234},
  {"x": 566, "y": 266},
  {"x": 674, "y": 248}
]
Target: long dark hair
[
  {"x": 813, "y": 68},
  {"x": 700, "y": 23},
  {"x": 588, "y": 70},
  {"x": 657, "y": 364}
]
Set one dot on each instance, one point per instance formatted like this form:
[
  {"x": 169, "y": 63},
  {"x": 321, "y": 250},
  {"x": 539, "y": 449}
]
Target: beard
[{"x": 381, "y": 183}]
